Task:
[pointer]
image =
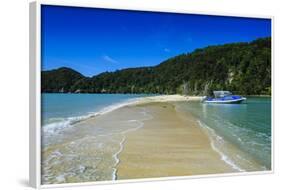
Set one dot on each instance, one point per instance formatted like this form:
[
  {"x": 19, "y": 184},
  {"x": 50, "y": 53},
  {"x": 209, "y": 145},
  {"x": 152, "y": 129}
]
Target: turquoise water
[
  {"x": 62, "y": 110},
  {"x": 63, "y": 106},
  {"x": 247, "y": 126},
  {"x": 78, "y": 150}
]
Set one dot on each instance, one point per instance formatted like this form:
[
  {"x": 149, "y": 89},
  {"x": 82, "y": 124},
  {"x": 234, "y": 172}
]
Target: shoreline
[
  {"x": 261, "y": 95},
  {"x": 146, "y": 137},
  {"x": 166, "y": 146},
  {"x": 165, "y": 99},
  {"x": 130, "y": 102}
]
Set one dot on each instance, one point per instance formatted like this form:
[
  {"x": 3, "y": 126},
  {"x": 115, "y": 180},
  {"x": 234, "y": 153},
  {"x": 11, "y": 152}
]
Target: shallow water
[
  {"x": 85, "y": 149},
  {"x": 241, "y": 133},
  {"x": 61, "y": 110}
]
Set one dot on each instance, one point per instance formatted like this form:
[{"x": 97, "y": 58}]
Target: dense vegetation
[
  {"x": 60, "y": 80},
  {"x": 244, "y": 68}
]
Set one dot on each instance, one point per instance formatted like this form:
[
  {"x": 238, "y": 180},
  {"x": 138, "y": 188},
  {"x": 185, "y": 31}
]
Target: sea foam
[
  {"x": 57, "y": 124},
  {"x": 216, "y": 139}
]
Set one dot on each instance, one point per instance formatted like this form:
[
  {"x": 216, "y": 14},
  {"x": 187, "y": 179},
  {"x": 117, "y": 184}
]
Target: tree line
[{"x": 243, "y": 68}]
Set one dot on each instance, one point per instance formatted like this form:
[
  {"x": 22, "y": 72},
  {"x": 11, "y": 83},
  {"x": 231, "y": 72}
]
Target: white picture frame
[{"x": 35, "y": 92}]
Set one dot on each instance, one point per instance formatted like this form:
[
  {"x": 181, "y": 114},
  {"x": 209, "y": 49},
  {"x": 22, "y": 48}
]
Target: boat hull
[{"x": 236, "y": 101}]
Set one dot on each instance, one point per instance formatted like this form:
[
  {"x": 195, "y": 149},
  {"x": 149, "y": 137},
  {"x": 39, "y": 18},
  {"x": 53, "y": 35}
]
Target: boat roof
[{"x": 221, "y": 93}]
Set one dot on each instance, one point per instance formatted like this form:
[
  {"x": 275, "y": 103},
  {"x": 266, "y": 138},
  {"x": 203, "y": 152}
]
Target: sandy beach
[
  {"x": 168, "y": 145},
  {"x": 147, "y": 138},
  {"x": 167, "y": 98}
]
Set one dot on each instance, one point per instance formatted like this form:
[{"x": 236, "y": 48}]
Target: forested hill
[{"x": 244, "y": 68}]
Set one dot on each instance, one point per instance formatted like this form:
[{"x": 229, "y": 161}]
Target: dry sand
[
  {"x": 168, "y": 145},
  {"x": 167, "y": 98}
]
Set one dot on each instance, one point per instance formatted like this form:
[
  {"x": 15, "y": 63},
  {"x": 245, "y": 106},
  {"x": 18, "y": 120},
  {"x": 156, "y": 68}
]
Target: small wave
[
  {"x": 62, "y": 123},
  {"x": 215, "y": 138},
  {"x": 115, "y": 156},
  {"x": 134, "y": 124},
  {"x": 58, "y": 124}
]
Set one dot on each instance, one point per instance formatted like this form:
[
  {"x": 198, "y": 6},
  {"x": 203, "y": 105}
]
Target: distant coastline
[
  {"x": 259, "y": 95},
  {"x": 197, "y": 96}
]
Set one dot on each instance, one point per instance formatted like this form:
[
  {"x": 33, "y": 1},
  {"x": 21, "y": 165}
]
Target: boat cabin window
[{"x": 220, "y": 94}]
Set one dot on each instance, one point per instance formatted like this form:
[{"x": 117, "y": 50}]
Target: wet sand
[{"x": 169, "y": 144}]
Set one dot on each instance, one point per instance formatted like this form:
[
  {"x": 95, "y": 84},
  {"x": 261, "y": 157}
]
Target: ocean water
[
  {"x": 63, "y": 110},
  {"x": 74, "y": 150},
  {"x": 240, "y": 133}
]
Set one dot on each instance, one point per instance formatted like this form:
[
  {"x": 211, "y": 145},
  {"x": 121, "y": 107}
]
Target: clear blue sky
[{"x": 92, "y": 41}]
